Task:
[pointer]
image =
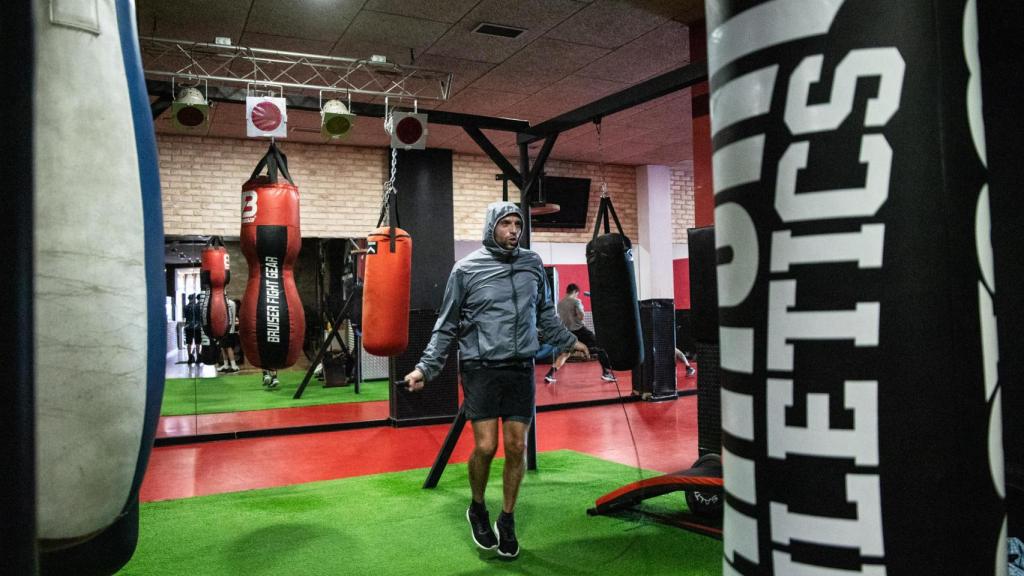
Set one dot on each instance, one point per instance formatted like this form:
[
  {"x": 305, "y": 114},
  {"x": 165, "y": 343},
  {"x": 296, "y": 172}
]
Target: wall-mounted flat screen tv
[{"x": 572, "y": 195}]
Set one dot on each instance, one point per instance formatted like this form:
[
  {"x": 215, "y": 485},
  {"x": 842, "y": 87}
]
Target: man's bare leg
[
  {"x": 515, "y": 461},
  {"x": 485, "y": 444}
]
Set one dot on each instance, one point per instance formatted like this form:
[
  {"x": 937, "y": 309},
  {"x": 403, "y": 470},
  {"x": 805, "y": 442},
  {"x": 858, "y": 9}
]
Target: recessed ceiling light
[{"x": 498, "y": 30}]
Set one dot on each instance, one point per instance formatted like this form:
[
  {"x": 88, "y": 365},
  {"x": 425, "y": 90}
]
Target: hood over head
[{"x": 496, "y": 211}]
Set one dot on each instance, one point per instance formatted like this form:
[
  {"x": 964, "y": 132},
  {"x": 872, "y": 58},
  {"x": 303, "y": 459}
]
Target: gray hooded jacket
[{"x": 495, "y": 302}]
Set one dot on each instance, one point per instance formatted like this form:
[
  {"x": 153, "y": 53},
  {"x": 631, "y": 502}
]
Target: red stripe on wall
[
  {"x": 681, "y": 282},
  {"x": 573, "y": 274}
]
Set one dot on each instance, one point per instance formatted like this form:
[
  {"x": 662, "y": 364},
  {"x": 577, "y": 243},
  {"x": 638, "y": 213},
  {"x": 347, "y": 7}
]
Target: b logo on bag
[{"x": 249, "y": 198}]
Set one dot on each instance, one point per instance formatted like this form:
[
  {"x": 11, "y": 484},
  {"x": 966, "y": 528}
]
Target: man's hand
[
  {"x": 414, "y": 380},
  {"x": 579, "y": 347}
]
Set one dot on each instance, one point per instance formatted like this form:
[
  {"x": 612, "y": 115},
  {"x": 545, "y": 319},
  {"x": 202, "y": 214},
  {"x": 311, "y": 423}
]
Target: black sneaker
[
  {"x": 480, "y": 527},
  {"x": 550, "y": 378},
  {"x": 608, "y": 377},
  {"x": 690, "y": 371},
  {"x": 508, "y": 545}
]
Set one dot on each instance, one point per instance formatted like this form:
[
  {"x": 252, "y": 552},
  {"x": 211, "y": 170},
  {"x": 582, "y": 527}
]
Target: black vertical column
[
  {"x": 855, "y": 288},
  {"x": 17, "y": 411},
  {"x": 1002, "y": 79},
  {"x": 424, "y": 184},
  {"x": 704, "y": 321},
  {"x": 524, "y": 205}
]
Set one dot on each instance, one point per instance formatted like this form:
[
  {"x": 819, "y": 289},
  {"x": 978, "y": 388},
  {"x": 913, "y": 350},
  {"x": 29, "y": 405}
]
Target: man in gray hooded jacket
[{"x": 495, "y": 302}]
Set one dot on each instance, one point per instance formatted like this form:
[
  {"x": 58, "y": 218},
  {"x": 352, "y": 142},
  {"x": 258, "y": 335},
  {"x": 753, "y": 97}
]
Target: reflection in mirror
[
  {"x": 181, "y": 270},
  {"x": 223, "y": 393},
  {"x": 349, "y": 385}
]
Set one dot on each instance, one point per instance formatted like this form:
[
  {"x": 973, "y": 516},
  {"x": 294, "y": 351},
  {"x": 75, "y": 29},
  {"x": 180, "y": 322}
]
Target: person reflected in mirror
[
  {"x": 496, "y": 302},
  {"x": 270, "y": 381},
  {"x": 230, "y": 339},
  {"x": 193, "y": 329},
  {"x": 570, "y": 312},
  {"x": 681, "y": 357},
  {"x": 559, "y": 361}
]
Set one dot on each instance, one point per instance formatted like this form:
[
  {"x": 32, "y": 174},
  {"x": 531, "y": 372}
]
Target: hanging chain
[
  {"x": 600, "y": 158},
  {"x": 389, "y": 185}
]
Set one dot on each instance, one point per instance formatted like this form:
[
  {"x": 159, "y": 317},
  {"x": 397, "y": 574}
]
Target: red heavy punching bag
[
  {"x": 386, "y": 285},
  {"x": 271, "y": 322},
  {"x": 214, "y": 275}
]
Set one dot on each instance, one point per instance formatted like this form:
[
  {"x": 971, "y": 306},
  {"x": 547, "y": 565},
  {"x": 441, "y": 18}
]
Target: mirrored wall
[{"x": 219, "y": 393}]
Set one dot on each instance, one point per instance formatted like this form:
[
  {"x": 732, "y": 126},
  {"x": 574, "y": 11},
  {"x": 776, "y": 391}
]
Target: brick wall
[
  {"x": 202, "y": 178},
  {"x": 682, "y": 201},
  {"x": 341, "y": 187}
]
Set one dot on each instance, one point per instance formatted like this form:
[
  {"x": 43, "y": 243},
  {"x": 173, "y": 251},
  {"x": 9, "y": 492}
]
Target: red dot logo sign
[
  {"x": 410, "y": 131},
  {"x": 266, "y": 117}
]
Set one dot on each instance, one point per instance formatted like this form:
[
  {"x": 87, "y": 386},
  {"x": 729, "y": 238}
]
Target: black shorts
[
  {"x": 498, "y": 391},
  {"x": 193, "y": 335},
  {"x": 583, "y": 334},
  {"x": 229, "y": 340}
]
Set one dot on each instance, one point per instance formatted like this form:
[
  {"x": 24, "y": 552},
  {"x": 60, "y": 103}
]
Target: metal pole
[
  {"x": 327, "y": 342},
  {"x": 441, "y": 461}
]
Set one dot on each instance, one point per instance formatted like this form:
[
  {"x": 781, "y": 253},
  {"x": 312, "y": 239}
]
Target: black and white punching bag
[
  {"x": 613, "y": 300},
  {"x": 860, "y": 406},
  {"x": 99, "y": 286}
]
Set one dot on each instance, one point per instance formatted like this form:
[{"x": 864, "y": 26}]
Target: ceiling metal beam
[
  {"x": 634, "y": 95},
  {"x": 495, "y": 155},
  {"x": 311, "y": 103},
  {"x": 309, "y": 73}
]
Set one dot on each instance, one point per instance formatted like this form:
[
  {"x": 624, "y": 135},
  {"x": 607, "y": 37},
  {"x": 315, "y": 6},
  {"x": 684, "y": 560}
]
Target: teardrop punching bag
[
  {"x": 98, "y": 257},
  {"x": 209, "y": 347},
  {"x": 386, "y": 285},
  {"x": 271, "y": 323},
  {"x": 859, "y": 348},
  {"x": 214, "y": 275},
  {"x": 613, "y": 300}
]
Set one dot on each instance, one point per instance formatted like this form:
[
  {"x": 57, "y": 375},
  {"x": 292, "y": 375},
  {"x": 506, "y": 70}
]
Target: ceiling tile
[
  {"x": 653, "y": 154},
  {"x": 658, "y": 51},
  {"x": 192, "y": 20},
  {"x": 659, "y": 116},
  {"x": 482, "y": 102},
  {"x": 567, "y": 94},
  {"x": 362, "y": 50},
  {"x": 324, "y": 20},
  {"x": 285, "y": 43},
  {"x": 414, "y": 33},
  {"x": 464, "y": 71},
  {"x": 535, "y": 16},
  {"x": 685, "y": 11},
  {"x": 607, "y": 23},
  {"x": 539, "y": 65},
  {"x": 437, "y": 10}
]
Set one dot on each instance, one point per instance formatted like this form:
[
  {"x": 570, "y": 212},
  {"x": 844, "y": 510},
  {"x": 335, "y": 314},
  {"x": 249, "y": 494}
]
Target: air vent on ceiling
[{"x": 498, "y": 30}]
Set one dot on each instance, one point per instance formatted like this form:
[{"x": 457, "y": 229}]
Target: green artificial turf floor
[
  {"x": 386, "y": 524},
  {"x": 244, "y": 391}
]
